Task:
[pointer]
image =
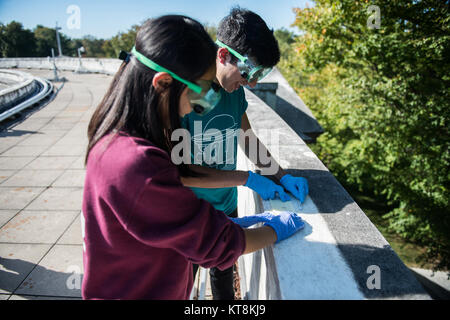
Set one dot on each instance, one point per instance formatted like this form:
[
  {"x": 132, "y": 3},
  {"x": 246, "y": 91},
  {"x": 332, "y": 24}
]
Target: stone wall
[
  {"x": 19, "y": 86},
  {"x": 106, "y": 66},
  {"x": 339, "y": 254}
]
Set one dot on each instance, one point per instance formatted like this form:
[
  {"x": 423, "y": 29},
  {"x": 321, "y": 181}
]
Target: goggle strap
[
  {"x": 154, "y": 66},
  {"x": 238, "y": 55}
]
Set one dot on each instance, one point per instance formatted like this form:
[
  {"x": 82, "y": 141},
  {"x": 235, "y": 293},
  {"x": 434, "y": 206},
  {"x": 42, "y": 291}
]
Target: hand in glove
[
  {"x": 298, "y": 186},
  {"x": 265, "y": 187},
  {"x": 285, "y": 224},
  {"x": 248, "y": 221}
]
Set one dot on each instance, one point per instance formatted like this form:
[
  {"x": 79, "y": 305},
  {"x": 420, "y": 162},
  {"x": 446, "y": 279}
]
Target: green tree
[
  {"x": 93, "y": 47},
  {"x": 212, "y": 30},
  {"x": 285, "y": 40},
  {"x": 122, "y": 41},
  {"x": 291, "y": 63},
  {"x": 382, "y": 94},
  {"x": 15, "y": 41},
  {"x": 46, "y": 40},
  {"x": 73, "y": 47}
]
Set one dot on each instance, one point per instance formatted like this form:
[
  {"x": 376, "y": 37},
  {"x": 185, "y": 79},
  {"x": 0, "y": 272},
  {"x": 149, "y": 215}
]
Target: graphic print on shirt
[{"x": 214, "y": 147}]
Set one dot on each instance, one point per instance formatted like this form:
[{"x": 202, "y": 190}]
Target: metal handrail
[{"x": 47, "y": 88}]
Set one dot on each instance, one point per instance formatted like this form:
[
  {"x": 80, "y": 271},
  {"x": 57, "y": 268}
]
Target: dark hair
[
  {"x": 131, "y": 104},
  {"x": 247, "y": 33}
]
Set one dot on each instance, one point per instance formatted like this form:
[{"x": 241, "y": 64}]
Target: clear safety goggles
[
  {"x": 203, "y": 95},
  {"x": 248, "y": 70}
]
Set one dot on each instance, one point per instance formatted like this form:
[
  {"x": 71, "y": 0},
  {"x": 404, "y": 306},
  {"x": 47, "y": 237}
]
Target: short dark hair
[{"x": 247, "y": 33}]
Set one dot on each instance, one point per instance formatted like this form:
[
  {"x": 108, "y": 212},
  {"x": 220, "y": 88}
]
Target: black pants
[{"x": 222, "y": 284}]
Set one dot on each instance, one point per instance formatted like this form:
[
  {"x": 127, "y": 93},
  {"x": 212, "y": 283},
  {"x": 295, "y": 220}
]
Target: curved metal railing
[{"x": 26, "y": 93}]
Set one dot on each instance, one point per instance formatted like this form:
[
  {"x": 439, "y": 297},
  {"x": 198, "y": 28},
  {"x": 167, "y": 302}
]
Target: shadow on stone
[
  {"x": 326, "y": 192},
  {"x": 436, "y": 291},
  {"x": 25, "y": 278},
  {"x": 396, "y": 281},
  {"x": 298, "y": 120},
  {"x": 16, "y": 133}
]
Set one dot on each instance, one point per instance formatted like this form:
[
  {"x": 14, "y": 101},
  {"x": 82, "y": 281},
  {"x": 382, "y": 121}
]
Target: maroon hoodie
[{"x": 143, "y": 229}]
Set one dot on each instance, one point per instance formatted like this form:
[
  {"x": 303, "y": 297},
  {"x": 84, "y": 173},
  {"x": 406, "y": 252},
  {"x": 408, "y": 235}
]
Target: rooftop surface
[{"x": 41, "y": 184}]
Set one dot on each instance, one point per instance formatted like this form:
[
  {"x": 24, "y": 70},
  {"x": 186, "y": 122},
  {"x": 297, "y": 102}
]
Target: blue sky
[{"x": 105, "y": 18}]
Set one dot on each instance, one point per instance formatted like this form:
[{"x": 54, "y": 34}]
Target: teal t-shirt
[{"x": 214, "y": 143}]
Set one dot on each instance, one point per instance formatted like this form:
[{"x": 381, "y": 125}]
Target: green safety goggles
[
  {"x": 204, "y": 95},
  {"x": 248, "y": 70}
]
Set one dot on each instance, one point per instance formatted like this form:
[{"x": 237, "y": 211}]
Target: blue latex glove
[
  {"x": 285, "y": 224},
  {"x": 265, "y": 187},
  {"x": 298, "y": 186},
  {"x": 248, "y": 221}
]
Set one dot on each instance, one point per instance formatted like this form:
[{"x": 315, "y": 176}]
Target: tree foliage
[
  {"x": 122, "y": 41},
  {"x": 211, "y": 29},
  {"x": 15, "y": 41},
  {"x": 45, "y": 39},
  {"x": 382, "y": 95}
]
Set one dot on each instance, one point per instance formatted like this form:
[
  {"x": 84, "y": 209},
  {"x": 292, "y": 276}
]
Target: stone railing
[
  {"x": 35, "y": 89},
  {"x": 22, "y": 91},
  {"x": 19, "y": 87},
  {"x": 339, "y": 254},
  {"x": 95, "y": 65},
  {"x": 276, "y": 92}
]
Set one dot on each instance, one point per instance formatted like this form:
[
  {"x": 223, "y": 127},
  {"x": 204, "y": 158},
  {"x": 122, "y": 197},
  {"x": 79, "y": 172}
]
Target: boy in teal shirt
[
  {"x": 226, "y": 118},
  {"x": 247, "y": 52}
]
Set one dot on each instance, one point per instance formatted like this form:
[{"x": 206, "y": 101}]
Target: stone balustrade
[{"x": 339, "y": 254}]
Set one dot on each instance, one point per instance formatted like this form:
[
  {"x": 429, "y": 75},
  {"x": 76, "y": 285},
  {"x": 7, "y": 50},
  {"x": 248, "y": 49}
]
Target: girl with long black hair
[{"x": 142, "y": 228}]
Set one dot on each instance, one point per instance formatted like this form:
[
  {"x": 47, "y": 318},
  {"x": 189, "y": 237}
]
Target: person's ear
[
  {"x": 223, "y": 55},
  {"x": 161, "y": 81}
]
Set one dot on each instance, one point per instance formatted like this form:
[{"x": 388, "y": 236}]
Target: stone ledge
[
  {"x": 339, "y": 253},
  {"x": 21, "y": 87},
  {"x": 288, "y": 105},
  {"x": 92, "y": 65}
]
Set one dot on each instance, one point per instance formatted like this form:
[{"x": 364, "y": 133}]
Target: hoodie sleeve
[{"x": 168, "y": 215}]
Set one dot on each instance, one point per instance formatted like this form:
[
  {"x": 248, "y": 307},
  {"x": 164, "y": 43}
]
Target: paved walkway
[{"x": 41, "y": 184}]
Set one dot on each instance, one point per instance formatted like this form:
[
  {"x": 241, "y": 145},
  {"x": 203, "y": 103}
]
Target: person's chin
[{"x": 232, "y": 88}]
